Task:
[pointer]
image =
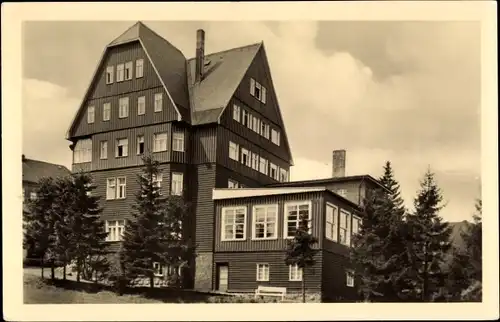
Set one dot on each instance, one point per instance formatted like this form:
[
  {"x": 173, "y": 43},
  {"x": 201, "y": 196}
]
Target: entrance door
[{"x": 222, "y": 277}]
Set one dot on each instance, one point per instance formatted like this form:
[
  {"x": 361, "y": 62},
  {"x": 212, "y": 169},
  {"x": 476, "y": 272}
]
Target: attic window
[{"x": 257, "y": 90}]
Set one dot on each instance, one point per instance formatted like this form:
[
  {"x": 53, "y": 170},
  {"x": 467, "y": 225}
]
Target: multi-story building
[
  {"x": 33, "y": 171},
  {"x": 214, "y": 124}
]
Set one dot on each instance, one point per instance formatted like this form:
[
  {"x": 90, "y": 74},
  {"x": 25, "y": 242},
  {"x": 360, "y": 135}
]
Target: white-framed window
[
  {"x": 115, "y": 229},
  {"x": 293, "y": 213},
  {"x": 275, "y": 137},
  {"x": 109, "y": 74},
  {"x": 245, "y": 116},
  {"x": 342, "y": 192},
  {"x": 122, "y": 187},
  {"x": 123, "y": 107},
  {"x": 332, "y": 222},
  {"x": 349, "y": 274},
  {"x": 257, "y": 90},
  {"x": 233, "y": 223},
  {"x": 274, "y": 171},
  {"x": 256, "y": 124},
  {"x": 236, "y": 112},
  {"x": 160, "y": 142},
  {"x": 283, "y": 175},
  {"x": 33, "y": 195},
  {"x": 178, "y": 141},
  {"x": 128, "y": 70},
  {"x": 356, "y": 223},
  {"x": 110, "y": 188},
  {"x": 141, "y": 105},
  {"x": 158, "y": 102},
  {"x": 295, "y": 273},
  {"x": 90, "y": 114},
  {"x": 344, "y": 232},
  {"x": 255, "y": 161},
  {"x": 250, "y": 121},
  {"x": 245, "y": 157},
  {"x": 83, "y": 151},
  {"x": 233, "y": 151},
  {"x": 106, "y": 111},
  {"x": 265, "y": 222},
  {"x": 264, "y": 166},
  {"x": 177, "y": 183},
  {"x": 139, "y": 68},
  {"x": 140, "y": 144},
  {"x": 157, "y": 180},
  {"x": 120, "y": 70},
  {"x": 121, "y": 148},
  {"x": 157, "y": 269},
  {"x": 262, "y": 272},
  {"x": 104, "y": 150},
  {"x": 232, "y": 184},
  {"x": 242, "y": 185}
]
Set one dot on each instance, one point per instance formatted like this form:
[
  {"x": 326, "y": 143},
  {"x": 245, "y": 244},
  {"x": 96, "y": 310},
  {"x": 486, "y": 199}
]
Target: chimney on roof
[
  {"x": 23, "y": 158},
  {"x": 338, "y": 163},
  {"x": 200, "y": 54}
]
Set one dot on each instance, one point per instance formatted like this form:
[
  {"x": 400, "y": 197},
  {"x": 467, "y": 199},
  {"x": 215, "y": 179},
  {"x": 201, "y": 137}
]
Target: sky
[{"x": 405, "y": 92}]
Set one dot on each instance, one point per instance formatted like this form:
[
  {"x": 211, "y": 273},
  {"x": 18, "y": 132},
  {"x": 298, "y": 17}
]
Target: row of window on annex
[
  {"x": 140, "y": 107},
  {"x": 256, "y": 124},
  {"x": 124, "y": 71},
  {"x": 119, "y": 148},
  {"x": 256, "y": 162}
]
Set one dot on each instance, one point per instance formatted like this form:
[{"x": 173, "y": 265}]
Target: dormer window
[{"x": 257, "y": 90}]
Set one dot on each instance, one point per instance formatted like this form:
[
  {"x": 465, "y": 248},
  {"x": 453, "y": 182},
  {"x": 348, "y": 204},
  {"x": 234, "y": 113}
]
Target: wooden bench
[{"x": 270, "y": 291}]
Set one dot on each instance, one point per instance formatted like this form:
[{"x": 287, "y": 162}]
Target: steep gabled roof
[
  {"x": 34, "y": 170},
  {"x": 223, "y": 72}
]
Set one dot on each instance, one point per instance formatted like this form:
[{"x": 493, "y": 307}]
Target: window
[
  {"x": 110, "y": 188},
  {"x": 274, "y": 171},
  {"x": 264, "y": 130},
  {"x": 256, "y": 124},
  {"x": 122, "y": 188},
  {"x": 236, "y": 112},
  {"x": 250, "y": 121},
  {"x": 244, "y": 117},
  {"x": 275, "y": 137},
  {"x": 255, "y": 161},
  {"x": 265, "y": 222},
  {"x": 355, "y": 225},
  {"x": 257, "y": 90},
  {"x": 262, "y": 272},
  {"x": 233, "y": 224},
  {"x": 104, "y": 149},
  {"x": 141, "y": 105},
  {"x": 283, "y": 175},
  {"x": 106, "y": 111},
  {"x": 345, "y": 234},
  {"x": 109, "y": 74},
  {"x": 121, "y": 148},
  {"x": 233, "y": 151},
  {"x": 123, "y": 107},
  {"x": 293, "y": 214},
  {"x": 331, "y": 226},
  {"x": 119, "y": 72},
  {"x": 83, "y": 151},
  {"x": 263, "y": 166},
  {"x": 139, "y": 68},
  {"x": 160, "y": 142},
  {"x": 157, "y": 180},
  {"x": 245, "y": 157},
  {"x": 342, "y": 192},
  {"x": 33, "y": 195},
  {"x": 158, "y": 102},
  {"x": 178, "y": 141},
  {"x": 140, "y": 144},
  {"x": 128, "y": 70},
  {"x": 349, "y": 278},
  {"x": 177, "y": 183},
  {"x": 90, "y": 114},
  {"x": 157, "y": 269},
  {"x": 295, "y": 273},
  {"x": 232, "y": 184},
  {"x": 115, "y": 229}
]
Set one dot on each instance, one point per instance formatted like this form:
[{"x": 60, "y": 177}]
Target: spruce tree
[
  {"x": 300, "y": 251},
  {"x": 427, "y": 245}
]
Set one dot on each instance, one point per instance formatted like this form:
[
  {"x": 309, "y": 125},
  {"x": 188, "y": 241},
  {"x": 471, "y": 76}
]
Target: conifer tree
[
  {"x": 300, "y": 251},
  {"x": 428, "y": 244}
]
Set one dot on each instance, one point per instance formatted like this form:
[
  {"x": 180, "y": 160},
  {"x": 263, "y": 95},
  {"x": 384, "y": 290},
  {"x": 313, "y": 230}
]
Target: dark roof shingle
[{"x": 34, "y": 170}]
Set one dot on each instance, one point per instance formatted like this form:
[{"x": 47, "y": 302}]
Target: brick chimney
[
  {"x": 200, "y": 54},
  {"x": 338, "y": 163}
]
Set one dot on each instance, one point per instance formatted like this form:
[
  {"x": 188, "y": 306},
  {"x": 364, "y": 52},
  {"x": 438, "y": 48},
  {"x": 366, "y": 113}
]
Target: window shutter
[
  {"x": 252, "y": 86},
  {"x": 263, "y": 99}
]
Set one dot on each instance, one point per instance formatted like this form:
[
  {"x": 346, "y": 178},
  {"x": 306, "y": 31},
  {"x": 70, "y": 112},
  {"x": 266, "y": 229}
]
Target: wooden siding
[
  {"x": 279, "y": 243},
  {"x": 223, "y": 138},
  {"x": 203, "y": 144},
  {"x": 202, "y": 181},
  {"x": 243, "y": 269},
  {"x": 101, "y": 93},
  {"x": 334, "y": 281},
  {"x": 224, "y": 174}
]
